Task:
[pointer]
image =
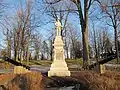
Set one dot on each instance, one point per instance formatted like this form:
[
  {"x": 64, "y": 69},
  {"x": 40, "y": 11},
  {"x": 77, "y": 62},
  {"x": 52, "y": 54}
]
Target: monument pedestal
[{"x": 59, "y": 66}]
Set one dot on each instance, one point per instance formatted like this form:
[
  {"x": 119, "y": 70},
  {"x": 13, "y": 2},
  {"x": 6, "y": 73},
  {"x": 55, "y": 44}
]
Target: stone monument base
[
  {"x": 58, "y": 73},
  {"x": 59, "y": 68},
  {"x": 20, "y": 70},
  {"x": 102, "y": 68}
]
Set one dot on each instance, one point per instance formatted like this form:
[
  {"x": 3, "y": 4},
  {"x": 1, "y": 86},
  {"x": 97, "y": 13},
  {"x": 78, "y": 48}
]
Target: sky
[
  {"x": 9, "y": 11},
  {"x": 46, "y": 28},
  {"x": 14, "y": 1}
]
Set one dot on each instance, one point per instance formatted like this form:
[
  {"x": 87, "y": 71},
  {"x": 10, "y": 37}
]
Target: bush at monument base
[{"x": 28, "y": 81}]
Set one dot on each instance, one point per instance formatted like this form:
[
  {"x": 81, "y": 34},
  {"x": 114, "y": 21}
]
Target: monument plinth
[{"x": 59, "y": 66}]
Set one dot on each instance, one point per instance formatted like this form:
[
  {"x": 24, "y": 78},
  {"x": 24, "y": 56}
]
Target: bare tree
[
  {"x": 3, "y": 6},
  {"x": 45, "y": 50},
  {"x": 67, "y": 42},
  {"x": 101, "y": 43},
  {"x": 83, "y": 17},
  {"x": 112, "y": 12},
  {"x": 25, "y": 27},
  {"x": 72, "y": 41},
  {"x": 8, "y": 36},
  {"x": 20, "y": 30},
  {"x": 96, "y": 48},
  {"x": 51, "y": 41},
  {"x": 37, "y": 45},
  {"x": 4, "y": 24}
]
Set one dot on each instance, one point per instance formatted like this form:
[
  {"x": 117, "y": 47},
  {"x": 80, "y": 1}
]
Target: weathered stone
[
  {"x": 102, "y": 68},
  {"x": 20, "y": 70}
]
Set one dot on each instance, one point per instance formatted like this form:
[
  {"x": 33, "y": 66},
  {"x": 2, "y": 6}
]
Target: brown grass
[
  {"x": 6, "y": 65},
  {"x": 6, "y": 77},
  {"x": 86, "y": 80},
  {"x": 28, "y": 81},
  {"x": 93, "y": 81}
]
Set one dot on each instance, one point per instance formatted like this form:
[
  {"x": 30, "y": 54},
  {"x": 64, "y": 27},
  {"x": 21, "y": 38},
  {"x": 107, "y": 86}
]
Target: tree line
[{"x": 23, "y": 40}]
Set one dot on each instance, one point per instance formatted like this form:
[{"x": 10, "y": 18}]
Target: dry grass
[
  {"x": 6, "y": 65},
  {"x": 4, "y": 78},
  {"x": 28, "y": 81},
  {"x": 93, "y": 81},
  {"x": 87, "y": 80}
]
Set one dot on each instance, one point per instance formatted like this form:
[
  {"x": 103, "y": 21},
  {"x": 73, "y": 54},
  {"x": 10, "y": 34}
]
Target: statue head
[
  {"x": 58, "y": 23},
  {"x": 58, "y": 19}
]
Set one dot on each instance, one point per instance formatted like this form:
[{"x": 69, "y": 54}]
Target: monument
[
  {"x": 59, "y": 66},
  {"x": 102, "y": 68}
]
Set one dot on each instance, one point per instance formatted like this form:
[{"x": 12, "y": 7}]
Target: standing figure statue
[{"x": 58, "y": 27}]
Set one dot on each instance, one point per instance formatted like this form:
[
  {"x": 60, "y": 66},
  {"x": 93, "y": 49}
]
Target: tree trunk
[
  {"x": 84, "y": 26},
  {"x": 51, "y": 49},
  {"x": 9, "y": 49},
  {"x": 67, "y": 53},
  {"x": 85, "y": 39},
  {"x": 85, "y": 47},
  {"x": 16, "y": 55},
  {"x": 96, "y": 51},
  {"x": 116, "y": 44},
  {"x": 27, "y": 54},
  {"x": 21, "y": 56},
  {"x": 15, "y": 50},
  {"x": 37, "y": 54}
]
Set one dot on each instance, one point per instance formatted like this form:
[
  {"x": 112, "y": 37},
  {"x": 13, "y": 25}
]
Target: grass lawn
[
  {"x": 114, "y": 61},
  {"x": 74, "y": 61},
  {"x": 4, "y": 64},
  {"x": 49, "y": 62}
]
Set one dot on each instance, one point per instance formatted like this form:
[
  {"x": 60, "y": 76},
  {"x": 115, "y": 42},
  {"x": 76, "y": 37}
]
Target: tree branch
[
  {"x": 90, "y": 3},
  {"x": 52, "y": 2}
]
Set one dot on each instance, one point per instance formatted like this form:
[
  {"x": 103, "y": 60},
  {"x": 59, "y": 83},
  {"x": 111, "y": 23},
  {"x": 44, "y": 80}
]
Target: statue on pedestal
[
  {"x": 59, "y": 65},
  {"x": 58, "y": 27}
]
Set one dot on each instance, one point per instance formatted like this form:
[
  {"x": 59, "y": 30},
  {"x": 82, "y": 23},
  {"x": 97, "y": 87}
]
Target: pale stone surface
[
  {"x": 58, "y": 28},
  {"x": 59, "y": 66},
  {"x": 102, "y": 68},
  {"x": 20, "y": 70}
]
